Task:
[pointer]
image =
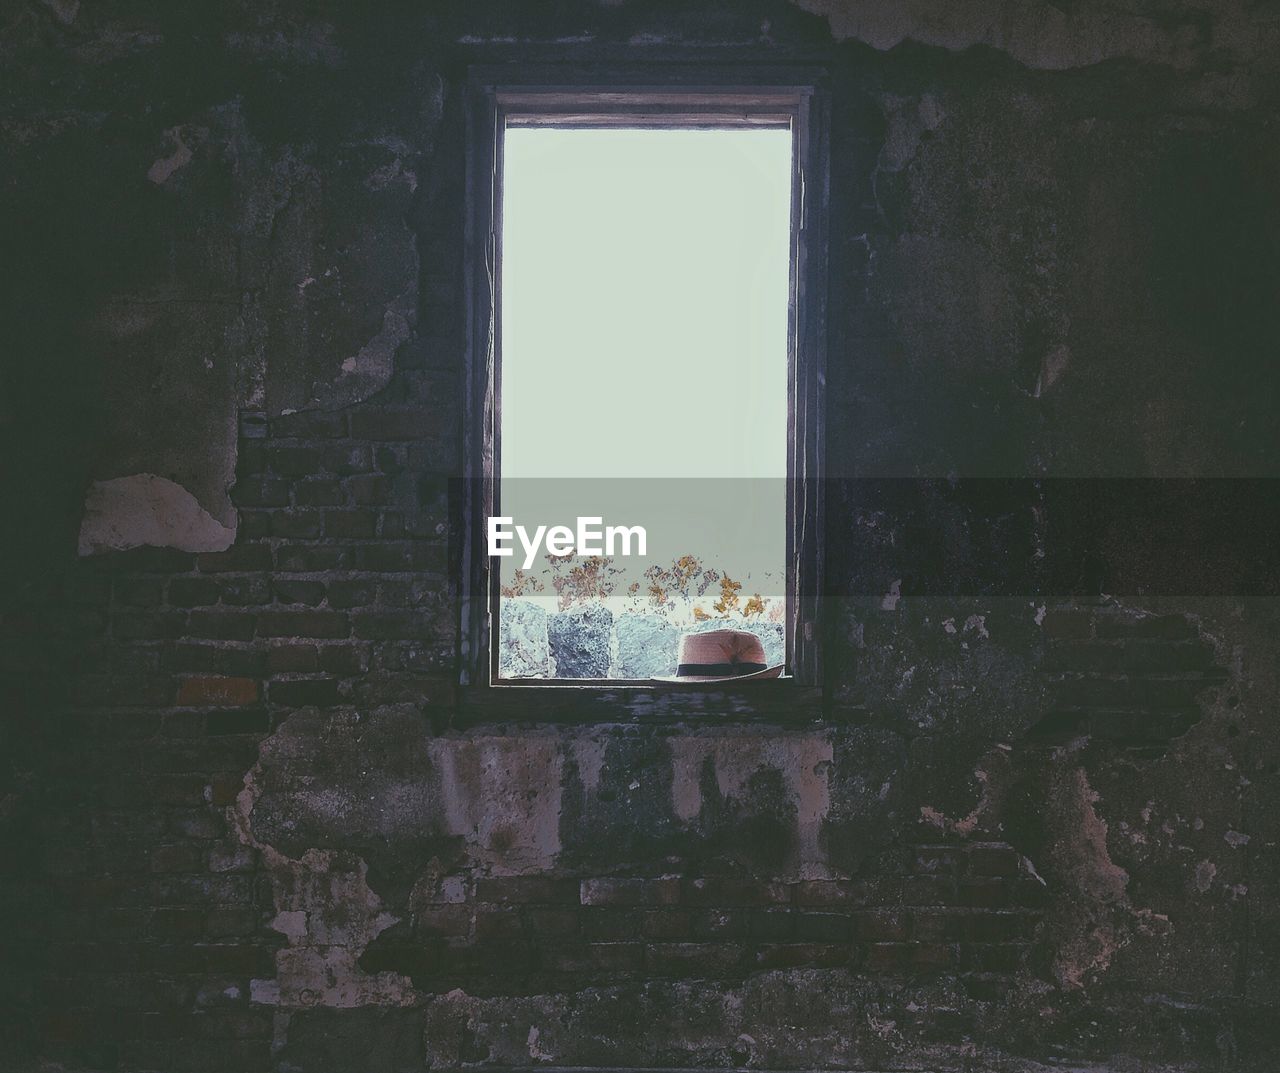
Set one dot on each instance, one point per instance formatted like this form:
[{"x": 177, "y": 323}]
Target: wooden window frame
[{"x": 655, "y": 95}]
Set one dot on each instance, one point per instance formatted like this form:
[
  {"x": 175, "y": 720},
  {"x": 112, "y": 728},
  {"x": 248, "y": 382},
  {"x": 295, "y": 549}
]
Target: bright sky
[
  {"x": 644, "y": 334},
  {"x": 644, "y": 302}
]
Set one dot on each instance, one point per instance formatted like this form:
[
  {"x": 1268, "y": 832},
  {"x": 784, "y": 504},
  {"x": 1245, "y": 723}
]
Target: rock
[
  {"x": 772, "y": 634},
  {"x": 581, "y": 641},
  {"x": 646, "y": 646},
  {"x": 523, "y": 647}
]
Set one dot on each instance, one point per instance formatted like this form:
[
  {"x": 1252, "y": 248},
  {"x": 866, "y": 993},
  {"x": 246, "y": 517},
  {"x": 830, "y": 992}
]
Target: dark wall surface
[{"x": 251, "y": 822}]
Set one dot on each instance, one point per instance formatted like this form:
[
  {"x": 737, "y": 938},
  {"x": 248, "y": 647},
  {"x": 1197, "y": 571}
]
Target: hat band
[{"x": 719, "y": 670}]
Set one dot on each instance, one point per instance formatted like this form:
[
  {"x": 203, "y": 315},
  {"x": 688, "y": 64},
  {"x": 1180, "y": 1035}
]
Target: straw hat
[{"x": 721, "y": 656}]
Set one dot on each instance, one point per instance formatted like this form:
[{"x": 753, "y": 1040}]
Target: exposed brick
[
  {"x": 452, "y": 921},
  {"x": 823, "y": 927},
  {"x": 605, "y": 958},
  {"x": 735, "y": 892},
  {"x": 193, "y": 592},
  {"x": 663, "y": 891},
  {"x": 610, "y": 924},
  {"x": 1125, "y": 691},
  {"x": 299, "y": 592},
  {"x": 309, "y": 424},
  {"x": 325, "y": 624},
  {"x": 400, "y": 558},
  {"x": 304, "y": 692},
  {"x": 152, "y": 626},
  {"x": 287, "y": 659},
  {"x": 183, "y": 857},
  {"x": 937, "y": 925},
  {"x": 527, "y": 889},
  {"x": 343, "y": 659},
  {"x": 993, "y": 957},
  {"x": 221, "y": 625},
  {"x": 244, "y": 591},
  {"x": 984, "y": 892},
  {"x": 821, "y": 892},
  {"x": 176, "y": 922},
  {"x": 993, "y": 860},
  {"x": 666, "y": 924},
  {"x": 296, "y": 524},
  {"x": 1163, "y": 627},
  {"x": 504, "y": 924},
  {"x": 694, "y": 959},
  {"x": 889, "y": 957},
  {"x": 260, "y": 492},
  {"x": 556, "y": 923},
  {"x": 217, "y": 692},
  {"x": 230, "y": 922},
  {"x": 880, "y": 925},
  {"x": 928, "y": 890},
  {"x": 293, "y": 461},
  {"x": 774, "y": 925},
  {"x": 224, "y": 789},
  {"x": 319, "y": 493},
  {"x": 935, "y": 860},
  {"x": 802, "y": 955},
  {"x": 350, "y": 524},
  {"x": 241, "y": 721},
  {"x": 311, "y": 558},
  {"x": 143, "y": 592},
  {"x": 393, "y": 625},
  {"x": 214, "y": 658},
  {"x": 721, "y": 923},
  {"x": 254, "y": 525},
  {"x": 384, "y": 424},
  {"x": 347, "y": 459},
  {"x": 358, "y": 593},
  {"x": 371, "y": 489},
  {"x": 1060, "y": 624},
  {"x": 241, "y": 557}
]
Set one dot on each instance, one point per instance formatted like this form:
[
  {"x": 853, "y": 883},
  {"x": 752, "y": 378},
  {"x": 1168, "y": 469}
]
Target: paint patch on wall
[{"x": 143, "y": 509}]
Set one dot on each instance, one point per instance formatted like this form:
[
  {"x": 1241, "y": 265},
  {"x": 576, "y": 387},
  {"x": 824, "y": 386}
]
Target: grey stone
[
  {"x": 647, "y": 646},
  {"x": 581, "y": 641},
  {"x": 523, "y": 648}
]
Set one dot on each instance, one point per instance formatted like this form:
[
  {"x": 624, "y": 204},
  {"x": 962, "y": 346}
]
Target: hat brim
[{"x": 719, "y": 679}]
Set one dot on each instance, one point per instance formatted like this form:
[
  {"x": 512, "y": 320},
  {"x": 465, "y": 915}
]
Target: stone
[
  {"x": 646, "y": 646},
  {"x": 581, "y": 641},
  {"x": 523, "y": 648}
]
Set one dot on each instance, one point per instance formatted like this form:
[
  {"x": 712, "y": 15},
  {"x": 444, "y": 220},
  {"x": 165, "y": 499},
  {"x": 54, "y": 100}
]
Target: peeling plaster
[
  {"x": 992, "y": 773},
  {"x": 503, "y": 796},
  {"x": 1103, "y": 920},
  {"x": 143, "y": 509},
  {"x": 160, "y": 171},
  {"x": 890, "y": 600},
  {"x": 803, "y": 761},
  {"x": 1038, "y": 34},
  {"x": 365, "y": 373},
  {"x": 588, "y": 755},
  {"x": 1051, "y": 369},
  {"x": 65, "y": 10},
  {"x": 329, "y": 914}
]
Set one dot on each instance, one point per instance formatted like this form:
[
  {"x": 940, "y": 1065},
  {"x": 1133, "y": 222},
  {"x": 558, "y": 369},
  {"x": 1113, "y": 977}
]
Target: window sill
[{"x": 585, "y": 701}]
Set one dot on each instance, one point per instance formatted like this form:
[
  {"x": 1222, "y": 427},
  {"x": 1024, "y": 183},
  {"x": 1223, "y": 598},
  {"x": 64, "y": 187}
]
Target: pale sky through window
[
  {"x": 645, "y": 278},
  {"x": 644, "y": 302}
]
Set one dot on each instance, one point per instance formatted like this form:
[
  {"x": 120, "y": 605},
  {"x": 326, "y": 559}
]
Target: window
[{"x": 646, "y": 352}]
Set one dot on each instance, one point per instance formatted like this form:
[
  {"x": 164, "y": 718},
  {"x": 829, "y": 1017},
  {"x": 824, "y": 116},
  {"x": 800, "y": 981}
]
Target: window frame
[{"x": 661, "y": 95}]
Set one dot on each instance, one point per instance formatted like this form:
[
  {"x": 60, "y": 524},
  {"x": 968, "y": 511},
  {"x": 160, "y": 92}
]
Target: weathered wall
[{"x": 250, "y": 821}]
